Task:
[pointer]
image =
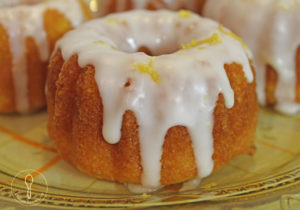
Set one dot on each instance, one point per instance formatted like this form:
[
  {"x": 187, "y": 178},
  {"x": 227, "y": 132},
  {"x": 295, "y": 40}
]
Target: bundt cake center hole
[
  {"x": 145, "y": 50},
  {"x": 158, "y": 52}
]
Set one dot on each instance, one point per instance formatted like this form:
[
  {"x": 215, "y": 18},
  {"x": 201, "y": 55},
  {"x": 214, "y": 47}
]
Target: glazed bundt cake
[
  {"x": 271, "y": 28},
  {"x": 179, "y": 112},
  {"x": 28, "y": 31}
]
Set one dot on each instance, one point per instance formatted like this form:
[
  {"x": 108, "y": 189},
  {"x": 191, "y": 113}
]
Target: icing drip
[
  {"x": 271, "y": 29},
  {"x": 139, "y": 189},
  {"x": 190, "y": 185},
  {"x": 22, "y": 22},
  {"x": 190, "y": 80}
]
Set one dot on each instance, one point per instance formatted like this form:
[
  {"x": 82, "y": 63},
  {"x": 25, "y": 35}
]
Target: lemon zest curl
[
  {"x": 148, "y": 69},
  {"x": 185, "y": 13},
  {"x": 213, "y": 40}
]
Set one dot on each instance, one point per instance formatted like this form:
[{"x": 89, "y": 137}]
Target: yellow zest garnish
[
  {"x": 228, "y": 33},
  {"x": 185, "y": 13},
  {"x": 106, "y": 44},
  {"x": 113, "y": 21},
  {"x": 214, "y": 39},
  {"x": 148, "y": 69},
  {"x": 213, "y": 184},
  {"x": 145, "y": 195}
]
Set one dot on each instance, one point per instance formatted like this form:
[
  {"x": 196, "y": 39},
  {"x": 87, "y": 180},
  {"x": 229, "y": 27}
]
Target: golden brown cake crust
[
  {"x": 36, "y": 71},
  {"x": 76, "y": 119},
  {"x": 7, "y": 100},
  {"x": 55, "y": 25}
]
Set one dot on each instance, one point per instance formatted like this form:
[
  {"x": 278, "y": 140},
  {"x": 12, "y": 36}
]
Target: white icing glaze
[
  {"x": 21, "y": 22},
  {"x": 139, "y": 189},
  {"x": 189, "y": 80},
  {"x": 271, "y": 29}
]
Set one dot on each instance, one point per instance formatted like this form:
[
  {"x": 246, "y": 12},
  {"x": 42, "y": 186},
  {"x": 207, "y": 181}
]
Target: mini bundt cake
[
  {"x": 120, "y": 114},
  {"x": 108, "y": 6},
  {"x": 28, "y": 31},
  {"x": 271, "y": 28}
]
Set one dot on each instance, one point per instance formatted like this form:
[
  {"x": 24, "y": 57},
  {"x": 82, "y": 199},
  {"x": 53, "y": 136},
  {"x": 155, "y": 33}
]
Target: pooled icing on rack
[
  {"x": 21, "y": 22},
  {"x": 177, "y": 87},
  {"x": 271, "y": 29}
]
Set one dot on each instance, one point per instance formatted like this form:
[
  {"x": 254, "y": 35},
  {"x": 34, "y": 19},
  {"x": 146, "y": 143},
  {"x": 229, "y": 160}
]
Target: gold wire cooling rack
[{"x": 25, "y": 149}]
